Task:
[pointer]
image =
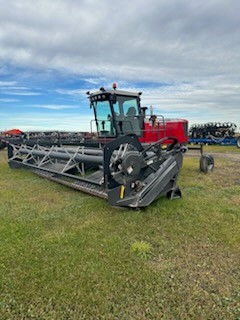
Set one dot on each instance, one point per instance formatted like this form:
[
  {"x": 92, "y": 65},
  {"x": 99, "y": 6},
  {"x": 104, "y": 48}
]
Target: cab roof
[{"x": 117, "y": 92}]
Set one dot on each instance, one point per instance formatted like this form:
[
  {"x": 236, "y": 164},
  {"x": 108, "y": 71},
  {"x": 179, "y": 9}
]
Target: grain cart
[{"x": 123, "y": 172}]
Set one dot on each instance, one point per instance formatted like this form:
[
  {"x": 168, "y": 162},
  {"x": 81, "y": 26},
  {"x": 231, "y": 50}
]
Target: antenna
[{"x": 151, "y": 110}]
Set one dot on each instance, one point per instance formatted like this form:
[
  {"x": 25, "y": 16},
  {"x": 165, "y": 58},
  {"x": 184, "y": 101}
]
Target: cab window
[
  {"x": 127, "y": 115},
  {"x": 104, "y": 118}
]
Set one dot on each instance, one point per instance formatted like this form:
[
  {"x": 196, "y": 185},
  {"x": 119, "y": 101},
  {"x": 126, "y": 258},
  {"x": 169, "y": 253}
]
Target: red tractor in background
[
  {"x": 9, "y": 134},
  {"x": 12, "y": 133}
]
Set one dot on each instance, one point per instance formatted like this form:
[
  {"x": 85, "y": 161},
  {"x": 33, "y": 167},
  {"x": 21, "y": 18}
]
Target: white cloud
[
  {"x": 39, "y": 121},
  {"x": 7, "y": 83},
  {"x": 54, "y": 107},
  {"x": 192, "y": 45},
  {"x": 20, "y": 93},
  {"x": 72, "y": 92},
  {"x": 95, "y": 81},
  {"x": 11, "y": 88},
  {"x": 152, "y": 40},
  {"x": 8, "y": 100}
]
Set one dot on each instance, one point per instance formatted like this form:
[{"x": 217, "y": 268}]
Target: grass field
[{"x": 67, "y": 255}]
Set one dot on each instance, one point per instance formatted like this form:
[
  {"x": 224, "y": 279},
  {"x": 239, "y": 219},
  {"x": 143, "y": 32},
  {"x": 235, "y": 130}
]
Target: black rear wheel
[
  {"x": 238, "y": 142},
  {"x": 206, "y": 163}
]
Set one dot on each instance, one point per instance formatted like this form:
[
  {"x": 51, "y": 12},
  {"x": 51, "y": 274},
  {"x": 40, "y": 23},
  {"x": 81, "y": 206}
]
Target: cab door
[{"x": 104, "y": 119}]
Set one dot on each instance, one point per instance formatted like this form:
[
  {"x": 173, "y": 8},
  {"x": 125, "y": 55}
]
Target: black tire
[
  {"x": 206, "y": 163},
  {"x": 238, "y": 142}
]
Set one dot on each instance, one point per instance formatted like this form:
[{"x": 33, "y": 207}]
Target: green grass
[
  {"x": 67, "y": 255},
  {"x": 218, "y": 148},
  {"x": 141, "y": 248}
]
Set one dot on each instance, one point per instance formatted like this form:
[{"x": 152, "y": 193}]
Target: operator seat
[
  {"x": 131, "y": 122},
  {"x": 131, "y": 112}
]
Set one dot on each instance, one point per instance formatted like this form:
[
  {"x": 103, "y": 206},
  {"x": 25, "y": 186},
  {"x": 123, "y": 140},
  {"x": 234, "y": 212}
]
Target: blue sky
[{"x": 184, "y": 56}]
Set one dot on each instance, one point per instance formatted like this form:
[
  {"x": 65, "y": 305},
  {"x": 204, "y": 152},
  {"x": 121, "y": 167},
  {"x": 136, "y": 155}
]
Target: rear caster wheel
[
  {"x": 206, "y": 163},
  {"x": 238, "y": 142}
]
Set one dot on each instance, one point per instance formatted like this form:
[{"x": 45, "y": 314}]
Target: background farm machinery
[
  {"x": 46, "y": 138},
  {"x": 214, "y": 133}
]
